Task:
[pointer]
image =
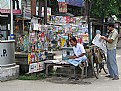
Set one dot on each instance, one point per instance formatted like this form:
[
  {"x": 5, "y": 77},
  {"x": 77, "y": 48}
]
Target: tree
[{"x": 105, "y": 8}]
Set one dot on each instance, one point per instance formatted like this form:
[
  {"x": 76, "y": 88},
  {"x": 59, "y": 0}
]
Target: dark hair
[
  {"x": 2, "y": 35},
  {"x": 73, "y": 39},
  {"x": 111, "y": 25}
]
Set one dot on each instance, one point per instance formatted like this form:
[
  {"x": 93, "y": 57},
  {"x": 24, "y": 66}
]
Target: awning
[
  {"x": 78, "y": 3},
  {"x": 3, "y": 15},
  {"x": 63, "y": 14}
]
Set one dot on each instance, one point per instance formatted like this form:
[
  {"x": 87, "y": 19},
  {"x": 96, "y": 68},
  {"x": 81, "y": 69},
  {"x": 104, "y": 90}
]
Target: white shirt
[{"x": 79, "y": 49}]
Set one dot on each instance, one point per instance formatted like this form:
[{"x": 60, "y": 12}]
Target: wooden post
[
  {"x": 45, "y": 12},
  {"x": 33, "y": 8},
  {"x": 41, "y": 4}
]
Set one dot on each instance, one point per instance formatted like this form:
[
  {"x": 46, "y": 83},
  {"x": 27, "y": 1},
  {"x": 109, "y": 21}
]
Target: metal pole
[
  {"x": 41, "y": 4},
  {"x": 11, "y": 31},
  {"x": 88, "y": 20},
  {"x": 23, "y": 24}
]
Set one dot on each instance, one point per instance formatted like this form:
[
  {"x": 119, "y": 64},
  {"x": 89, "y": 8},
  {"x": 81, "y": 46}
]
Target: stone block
[{"x": 9, "y": 73}]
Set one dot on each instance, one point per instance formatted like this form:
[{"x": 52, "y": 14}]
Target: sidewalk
[{"x": 119, "y": 44}]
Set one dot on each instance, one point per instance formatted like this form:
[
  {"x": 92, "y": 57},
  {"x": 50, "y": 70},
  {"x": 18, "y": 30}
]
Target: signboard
[
  {"x": 7, "y": 49},
  {"x": 85, "y": 37},
  {"x": 62, "y": 19},
  {"x": 27, "y": 12},
  {"x": 48, "y": 11},
  {"x": 36, "y": 67},
  {"x": 5, "y": 6},
  {"x": 62, "y": 6}
]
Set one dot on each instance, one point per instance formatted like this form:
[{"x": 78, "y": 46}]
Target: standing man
[{"x": 111, "y": 52}]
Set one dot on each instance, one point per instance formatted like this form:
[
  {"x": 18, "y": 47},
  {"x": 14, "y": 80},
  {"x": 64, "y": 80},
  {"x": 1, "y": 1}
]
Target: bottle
[
  {"x": 32, "y": 57},
  {"x": 29, "y": 58}
]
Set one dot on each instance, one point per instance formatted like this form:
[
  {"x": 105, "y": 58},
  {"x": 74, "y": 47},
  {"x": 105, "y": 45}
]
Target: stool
[{"x": 83, "y": 66}]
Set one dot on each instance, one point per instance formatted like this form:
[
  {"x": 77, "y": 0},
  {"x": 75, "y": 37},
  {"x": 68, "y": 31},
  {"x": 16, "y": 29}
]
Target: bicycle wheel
[
  {"x": 95, "y": 66},
  {"x": 104, "y": 62}
]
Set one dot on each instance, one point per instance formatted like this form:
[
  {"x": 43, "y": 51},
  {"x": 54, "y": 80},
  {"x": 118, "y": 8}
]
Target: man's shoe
[
  {"x": 115, "y": 78},
  {"x": 109, "y": 76}
]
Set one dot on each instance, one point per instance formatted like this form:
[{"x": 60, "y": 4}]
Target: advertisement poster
[
  {"x": 36, "y": 67},
  {"x": 31, "y": 68},
  {"x": 62, "y": 6},
  {"x": 27, "y": 12},
  {"x": 48, "y": 11},
  {"x": 5, "y": 6},
  {"x": 40, "y": 66},
  {"x": 59, "y": 19},
  {"x": 63, "y": 42},
  {"x": 85, "y": 38}
]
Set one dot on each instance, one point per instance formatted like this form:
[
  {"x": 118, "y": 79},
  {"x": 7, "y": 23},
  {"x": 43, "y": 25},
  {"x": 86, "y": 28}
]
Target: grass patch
[{"x": 34, "y": 76}]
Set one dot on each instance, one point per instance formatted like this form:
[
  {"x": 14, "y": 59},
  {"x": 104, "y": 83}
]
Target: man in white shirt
[{"x": 79, "y": 52}]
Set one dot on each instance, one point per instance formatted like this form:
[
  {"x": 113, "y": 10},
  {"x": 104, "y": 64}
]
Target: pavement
[
  {"x": 101, "y": 84},
  {"x": 119, "y": 44}
]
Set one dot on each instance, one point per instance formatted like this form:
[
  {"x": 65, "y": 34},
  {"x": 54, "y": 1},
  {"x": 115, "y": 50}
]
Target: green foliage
[
  {"x": 105, "y": 8},
  {"x": 34, "y": 76}
]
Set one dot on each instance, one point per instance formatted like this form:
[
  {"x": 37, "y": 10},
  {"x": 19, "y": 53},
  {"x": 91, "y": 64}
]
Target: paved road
[{"x": 101, "y": 84}]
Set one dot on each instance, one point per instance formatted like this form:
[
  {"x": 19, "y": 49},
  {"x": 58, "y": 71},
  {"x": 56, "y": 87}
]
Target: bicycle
[{"x": 97, "y": 60}]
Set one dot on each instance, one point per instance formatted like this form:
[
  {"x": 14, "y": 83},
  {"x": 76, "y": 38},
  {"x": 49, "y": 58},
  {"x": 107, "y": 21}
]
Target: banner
[
  {"x": 79, "y": 3},
  {"x": 27, "y": 12},
  {"x": 62, "y": 6},
  {"x": 36, "y": 67},
  {"x": 48, "y": 11},
  {"x": 5, "y": 6}
]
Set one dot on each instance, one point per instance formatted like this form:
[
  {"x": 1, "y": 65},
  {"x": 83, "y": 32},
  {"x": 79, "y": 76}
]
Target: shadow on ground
[{"x": 64, "y": 80}]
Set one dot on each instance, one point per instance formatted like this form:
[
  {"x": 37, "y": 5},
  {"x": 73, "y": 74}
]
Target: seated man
[{"x": 79, "y": 52}]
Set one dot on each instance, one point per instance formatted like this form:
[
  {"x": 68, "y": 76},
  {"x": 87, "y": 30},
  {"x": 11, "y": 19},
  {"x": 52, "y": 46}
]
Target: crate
[{"x": 66, "y": 52}]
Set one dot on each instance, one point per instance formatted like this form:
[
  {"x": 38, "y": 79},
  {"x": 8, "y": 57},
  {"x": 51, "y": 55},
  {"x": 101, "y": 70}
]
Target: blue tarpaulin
[
  {"x": 79, "y": 3},
  {"x": 61, "y": 0}
]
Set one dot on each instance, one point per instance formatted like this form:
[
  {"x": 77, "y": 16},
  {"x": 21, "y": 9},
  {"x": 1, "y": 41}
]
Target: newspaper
[
  {"x": 74, "y": 62},
  {"x": 101, "y": 43}
]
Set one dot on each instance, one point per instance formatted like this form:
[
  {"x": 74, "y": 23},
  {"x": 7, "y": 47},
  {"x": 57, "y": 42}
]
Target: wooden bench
[{"x": 63, "y": 64}]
